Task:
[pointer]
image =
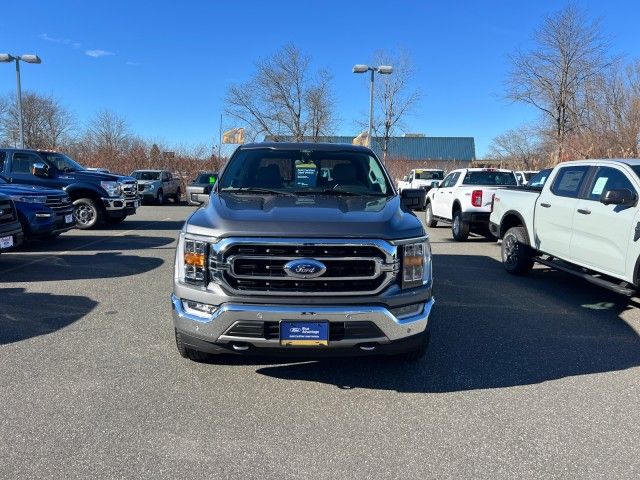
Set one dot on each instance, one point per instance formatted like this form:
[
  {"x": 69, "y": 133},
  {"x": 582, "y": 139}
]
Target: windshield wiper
[
  {"x": 255, "y": 190},
  {"x": 332, "y": 191}
]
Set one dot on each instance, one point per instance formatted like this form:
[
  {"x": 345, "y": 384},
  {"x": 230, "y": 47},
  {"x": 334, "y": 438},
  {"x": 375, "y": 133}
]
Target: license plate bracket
[
  {"x": 6, "y": 242},
  {"x": 68, "y": 219},
  {"x": 304, "y": 333}
]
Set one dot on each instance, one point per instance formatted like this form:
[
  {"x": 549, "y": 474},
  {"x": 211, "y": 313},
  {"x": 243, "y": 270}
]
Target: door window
[
  {"x": 569, "y": 181},
  {"x": 23, "y": 162},
  {"x": 608, "y": 178}
]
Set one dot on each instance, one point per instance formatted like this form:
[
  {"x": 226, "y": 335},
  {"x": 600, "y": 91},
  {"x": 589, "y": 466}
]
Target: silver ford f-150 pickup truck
[{"x": 285, "y": 259}]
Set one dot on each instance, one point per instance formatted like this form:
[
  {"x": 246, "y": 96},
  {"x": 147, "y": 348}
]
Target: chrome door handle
[
  {"x": 584, "y": 211},
  {"x": 545, "y": 205}
]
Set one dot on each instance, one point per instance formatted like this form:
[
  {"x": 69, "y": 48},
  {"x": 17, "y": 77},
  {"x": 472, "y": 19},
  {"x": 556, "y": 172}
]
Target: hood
[
  {"x": 92, "y": 176},
  {"x": 27, "y": 190},
  {"x": 305, "y": 216}
]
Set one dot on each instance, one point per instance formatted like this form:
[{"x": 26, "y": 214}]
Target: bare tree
[
  {"x": 395, "y": 97},
  {"x": 519, "y": 148},
  {"x": 555, "y": 76},
  {"x": 284, "y": 98},
  {"x": 47, "y": 124}
]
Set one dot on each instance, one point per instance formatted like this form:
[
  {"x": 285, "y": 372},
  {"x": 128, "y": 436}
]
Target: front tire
[
  {"x": 430, "y": 220},
  {"x": 517, "y": 255},
  {"x": 160, "y": 197},
  {"x": 459, "y": 228},
  {"x": 186, "y": 352},
  {"x": 417, "y": 353},
  {"x": 88, "y": 214},
  {"x": 177, "y": 196}
]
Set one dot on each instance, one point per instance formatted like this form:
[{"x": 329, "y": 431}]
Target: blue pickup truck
[
  {"x": 42, "y": 212},
  {"x": 97, "y": 197}
]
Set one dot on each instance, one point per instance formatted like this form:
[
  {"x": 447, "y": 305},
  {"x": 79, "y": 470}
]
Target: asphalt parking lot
[{"x": 525, "y": 377}]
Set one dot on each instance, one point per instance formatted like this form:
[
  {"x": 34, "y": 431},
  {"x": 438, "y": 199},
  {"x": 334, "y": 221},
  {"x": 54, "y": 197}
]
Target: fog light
[
  {"x": 407, "y": 311},
  {"x": 196, "y": 307}
]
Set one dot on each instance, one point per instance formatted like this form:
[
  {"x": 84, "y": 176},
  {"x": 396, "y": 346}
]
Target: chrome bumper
[
  {"x": 211, "y": 328},
  {"x": 120, "y": 203}
]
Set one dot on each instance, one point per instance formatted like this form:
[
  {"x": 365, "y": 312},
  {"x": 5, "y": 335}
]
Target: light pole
[
  {"x": 381, "y": 69},
  {"x": 6, "y": 58}
]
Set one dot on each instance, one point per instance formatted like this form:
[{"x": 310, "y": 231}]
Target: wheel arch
[{"x": 512, "y": 219}]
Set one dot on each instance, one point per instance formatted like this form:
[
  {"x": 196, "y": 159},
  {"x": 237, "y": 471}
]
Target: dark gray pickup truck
[{"x": 303, "y": 249}]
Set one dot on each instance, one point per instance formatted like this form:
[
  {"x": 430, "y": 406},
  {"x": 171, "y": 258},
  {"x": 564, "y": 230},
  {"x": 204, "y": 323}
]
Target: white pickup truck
[
  {"x": 424, "y": 178},
  {"x": 584, "y": 221},
  {"x": 464, "y": 198}
]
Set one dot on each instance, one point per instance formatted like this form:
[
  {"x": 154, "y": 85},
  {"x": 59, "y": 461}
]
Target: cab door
[
  {"x": 21, "y": 166},
  {"x": 555, "y": 209},
  {"x": 442, "y": 197},
  {"x": 602, "y": 233}
]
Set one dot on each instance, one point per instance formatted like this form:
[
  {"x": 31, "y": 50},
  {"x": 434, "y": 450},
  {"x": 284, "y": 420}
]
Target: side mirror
[
  {"x": 40, "y": 170},
  {"x": 622, "y": 196},
  {"x": 413, "y": 198}
]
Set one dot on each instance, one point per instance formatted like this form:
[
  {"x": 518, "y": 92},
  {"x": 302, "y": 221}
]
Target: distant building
[{"x": 436, "y": 152}]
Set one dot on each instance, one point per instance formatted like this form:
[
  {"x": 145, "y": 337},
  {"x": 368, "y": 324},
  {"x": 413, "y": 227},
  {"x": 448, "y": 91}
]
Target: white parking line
[{"x": 49, "y": 257}]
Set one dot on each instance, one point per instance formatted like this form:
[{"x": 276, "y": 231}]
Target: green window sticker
[
  {"x": 212, "y": 180},
  {"x": 599, "y": 186}
]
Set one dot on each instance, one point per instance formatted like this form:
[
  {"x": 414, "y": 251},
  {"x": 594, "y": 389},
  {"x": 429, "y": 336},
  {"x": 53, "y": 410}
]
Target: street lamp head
[
  {"x": 5, "y": 58},
  {"x": 385, "y": 69},
  {"x": 360, "y": 68},
  {"x": 30, "y": 58}
]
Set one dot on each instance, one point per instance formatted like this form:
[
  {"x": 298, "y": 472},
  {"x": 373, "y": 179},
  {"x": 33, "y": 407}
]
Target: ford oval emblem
[{"x": 305, "y": 268}]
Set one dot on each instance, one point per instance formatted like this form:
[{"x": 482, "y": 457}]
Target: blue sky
[{"x": 165, "y": 66}]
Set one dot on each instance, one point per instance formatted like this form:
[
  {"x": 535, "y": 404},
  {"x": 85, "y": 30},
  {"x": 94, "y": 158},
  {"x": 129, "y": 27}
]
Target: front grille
[
  {"x": 7, "y": 212},
  {"x": 130, "y": 191},
  {"x": 258, "y": 268},
  {"x": 337, "y": 330},
  {"x": 59, "y": 203}
]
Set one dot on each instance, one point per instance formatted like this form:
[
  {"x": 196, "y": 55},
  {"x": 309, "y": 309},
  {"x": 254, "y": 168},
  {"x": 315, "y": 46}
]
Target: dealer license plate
[
  {"x": 6, "y": 242},
  {"x": 310, "y": 334},
  {"x": 68, "y": 219}
]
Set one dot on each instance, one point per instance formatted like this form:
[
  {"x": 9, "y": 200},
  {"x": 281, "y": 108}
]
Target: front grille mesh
[
  {"x": 259, "y": 268},
  {"x": 8, "y": 214},
  {"x": 59, "y": 203}
]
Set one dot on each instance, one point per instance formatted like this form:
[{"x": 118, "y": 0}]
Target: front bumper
[
  {"x": 210, "y": 332},
  {"x": 14, "y": 230},
  {"x": 119, "y": 206},
  {"x": 40, "y": 221},
  {"x": 191, "y": 194}
]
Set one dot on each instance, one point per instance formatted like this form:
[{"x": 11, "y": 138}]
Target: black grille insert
[
  {"x": 7, "y": 213},
  {"x": 337, "y": 330}
]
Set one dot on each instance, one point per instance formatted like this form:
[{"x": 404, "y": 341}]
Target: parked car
[
  {"x": 464, "y": 198},
  {"x": 523, "y": 176},
  {"x": 584, "y": 221},
  {"x": 424, "y": 178},
  {"x": 42, "y": 212},
  {"x": 97, "y": 197},
  {"x": 11, "y": 234},
  {"x": 201, "y": 185},
  {"x": 158, "y": 185},
  {"x": 284, "y": 260}
]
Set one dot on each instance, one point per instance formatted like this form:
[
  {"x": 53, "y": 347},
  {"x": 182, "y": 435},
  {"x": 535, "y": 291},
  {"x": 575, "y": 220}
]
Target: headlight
[
  {"x": 194, "y": 260},
  {"x": 416, "y": 264},
  {"x": 112, "y": 188},
  {"x": 30, "y": 199}
]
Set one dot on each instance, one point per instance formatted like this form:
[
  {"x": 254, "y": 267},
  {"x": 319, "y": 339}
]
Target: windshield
[
  {"x": 488, "y": 177},
  {"x": 209, "y": 178},
  {"x": 305, "y": 172},
  {"x": 146, "y": 175},
  {"x": 63, "y": 163},
  {"x": 429, "y": 175},
  {"x": 529, "y": 175}
]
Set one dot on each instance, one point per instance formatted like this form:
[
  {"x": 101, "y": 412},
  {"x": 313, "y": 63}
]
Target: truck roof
[
  {"x": 327, "y": 147},
  {"x": 632, "y": 162}
]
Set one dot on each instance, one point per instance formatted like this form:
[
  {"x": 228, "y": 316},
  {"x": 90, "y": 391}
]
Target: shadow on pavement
[
  {"x": 146, "y": 225},
  {"x": 46, "y": 268},
  {"x": 26, "y": 315},
  {"x": 493, "y": 330},
  {"x": 92, "y": 243}
]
